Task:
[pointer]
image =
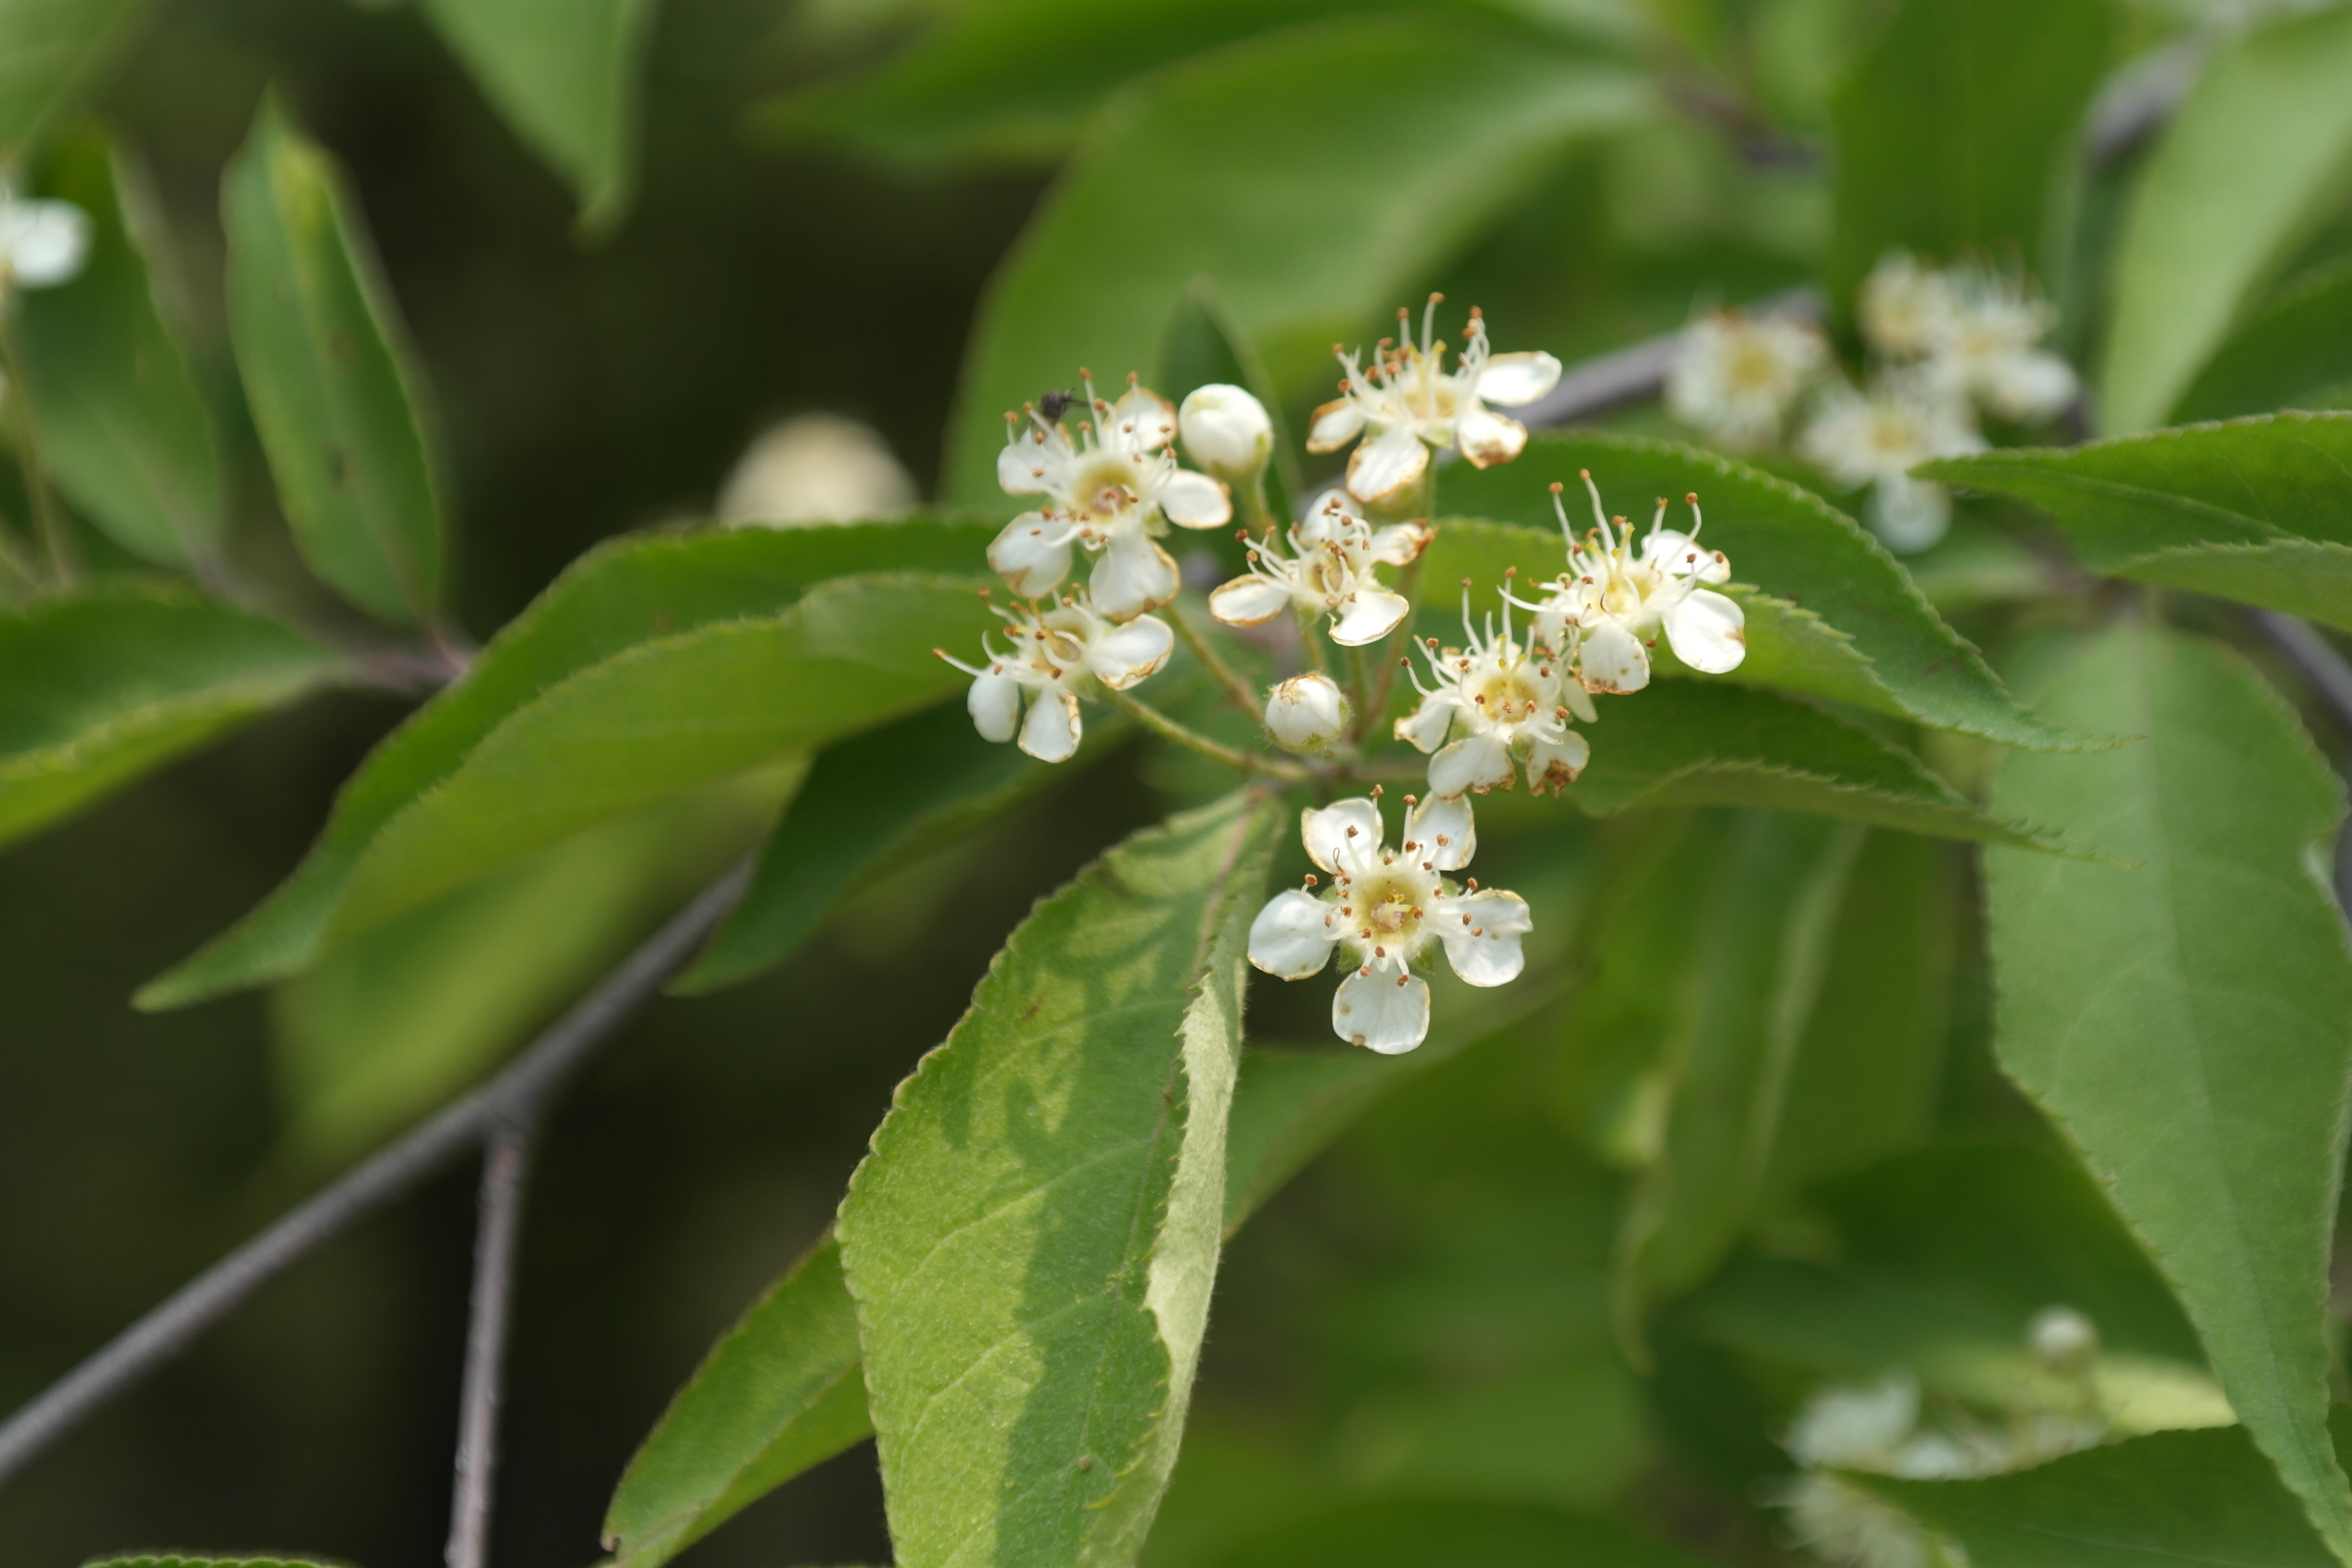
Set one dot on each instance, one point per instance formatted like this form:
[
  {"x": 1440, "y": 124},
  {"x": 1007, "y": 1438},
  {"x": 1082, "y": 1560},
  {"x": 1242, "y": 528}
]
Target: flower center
[
  {"x": 1390, "y": 901},
  {"x": 1107, "y": 486}
]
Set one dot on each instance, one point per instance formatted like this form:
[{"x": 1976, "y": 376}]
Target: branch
[
  {"x": 514, "y": 1096},
  {"x": 503, "y": 1166}
]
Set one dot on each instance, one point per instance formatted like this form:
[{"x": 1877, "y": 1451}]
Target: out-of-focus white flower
[
  {"x": 816, "y": 468},
  {"x": 1615, "y": 595},
  {"x": 1225, "y": 431},
  {"x": 1874, "y": 438},
  {"x": 1988, "y": 349},
  {"x": 1055, "y": 655},
  {"x": 1506, "y": 703},
  {"x": 1385, "y": 909},
  {"x": 1839, "y": 1522},
  {"x": 1407, "y": 403},
  {"x": 1307, "y": 713},
  {"x": 1906, "y": 309},
  {"x": 2063, "y": 1339},
  {"x": 1736, "y": 376},
  {"x": 1111, "y": 491},
  {"x": 42, "y": 243},
  {"x": 1328, "y": 570}
]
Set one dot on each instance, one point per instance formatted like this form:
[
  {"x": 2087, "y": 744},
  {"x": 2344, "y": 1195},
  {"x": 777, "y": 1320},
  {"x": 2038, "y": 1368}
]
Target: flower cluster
[
  {"x": 1950, "y": 346},
  {"x": 42, "y": 244}
]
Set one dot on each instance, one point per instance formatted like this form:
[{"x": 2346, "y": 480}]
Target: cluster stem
[{"x": 1168, "y": 729}]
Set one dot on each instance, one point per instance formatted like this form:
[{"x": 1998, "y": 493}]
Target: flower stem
[
  {"x": 57, "y": 543},
  {"x": 1226, "y": 675},
  {"x": 1316, "y": 658},
  {"x": 1368, "y": 722},
  {"x": 1168, "y": 729}
]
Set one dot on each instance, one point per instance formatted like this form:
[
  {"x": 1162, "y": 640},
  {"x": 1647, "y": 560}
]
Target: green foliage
[
  {"x": 329, "y": 375},
  {"x": 2295, "y": 352},
  {"x": 1404, "y": 1533},
  {"x": 1849, "y": 625},
  {"x": 1033, "y": 1239},
  {"x": 2182, "y": 1016},
  {"x": 49, "y": 48},
  {"x": 107, "y": 684},
  {"x": 565, "y": 76},
  {"x": 177, "y": 1561},
  {"x": 2248, "y": 167},
  {"x": 1954, "y": 126},
  {"x": 1253, "y": 167},
  {"x": 2158, "y": 1501},
  {"x": 120, "y": 429},
  {"x": 2252, "y": 510}
]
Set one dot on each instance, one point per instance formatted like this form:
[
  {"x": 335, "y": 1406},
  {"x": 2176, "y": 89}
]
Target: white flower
[
  {"x": 1408, "y": 403},
  {"x": 1506, "y": 703},
  {"x": 1227, "y": 431},
  {"x": 1906, "y": 309},
  {"x": 1608, "y": 607},
  {"x": 1111, "y": 491},
  {"x": 1307, "y": 712},
  {"x": 1873, "y": 438},
  {"x": 1384, "y": 910},
  {"x": 1736, "y": 376},
  {"x": 1988, "y": 350},
  {"x": 816, "y": 468},
  {"x": 1055, "y": 654},
  {"x": 1330, "y": 569},
  {"x": 2063, "y": 1339},
  {"x": 42, "y": 243}
]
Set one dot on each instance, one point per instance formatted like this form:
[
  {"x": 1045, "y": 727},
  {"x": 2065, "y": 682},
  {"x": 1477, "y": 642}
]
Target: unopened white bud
[
  {"x": 1307, "y": 713},
  {"x": 1225, "y": 430},
  {"x": 2063, "y": 1339}
]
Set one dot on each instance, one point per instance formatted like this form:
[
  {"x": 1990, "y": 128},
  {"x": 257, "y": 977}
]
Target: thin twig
[
  {"x": 1168, "y": 729},
  {"x": 523, "y": 1087},
  {"x": 504, "y": 1163},
  {"x": 1235, "y": 686}
]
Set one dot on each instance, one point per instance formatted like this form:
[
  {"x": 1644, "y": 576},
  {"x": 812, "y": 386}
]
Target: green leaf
[
  {"x": 2188, "y": 1020},
  {"x": 2295, "y": 352},
  {"x": 1233, "y": 165},
  {"x": 619, "y": 596},
  {"x": 779, "y": 1393},
  {"x": 2258, "y": 510},
  {"x": 395, "y": 1022},
  {"x": 1033, "y": 1239},
  {"x": 121, "y": 431},
  {"x": 2170, "y": 1499},
  {"x": 114, "y": 682},
  {"x": 1850, "y": 625},
  {"x": 1202, "y": 344},
  {"x": 1952, "y": 127},
  {"x": 566, "y": 76},
  {"x": 49, "y": 52},
  {"x": 330, "y": 377},
  {"x": 871, "y": 804},
  {"x": 2249, "y": 165},
  {"x": 1405, "y": 1534}
]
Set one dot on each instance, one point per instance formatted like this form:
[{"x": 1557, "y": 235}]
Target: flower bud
[
  {"x": 1307, "y": 713},
  {"x": 2063, "y": 1339},
  {"x": 1225, "y": 431}
]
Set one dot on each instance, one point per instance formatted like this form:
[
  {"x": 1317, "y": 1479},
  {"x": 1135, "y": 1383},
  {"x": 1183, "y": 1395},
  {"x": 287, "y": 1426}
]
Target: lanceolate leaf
[
  {"x": 97, "y": 688},
  {"x": 2252, "y": 159},
  {"x": 120, "y": 429},
  {"x": 1787, "y": 543},
  {"x": 1952, "y": 127},
  {"x": 2258, "y": 510},
  {"x": 620, "y": 596},
  {"x": 565, "y": 75},
  {"x": 329, "y": 378},
  {"x": 2295, "y": 352},
  {"x": 1229, "y": 166},
  {"x": 2188, "y": 1020},
  {"x": 48, "y": 49},
  {"x": 1033, "y": 1239}
]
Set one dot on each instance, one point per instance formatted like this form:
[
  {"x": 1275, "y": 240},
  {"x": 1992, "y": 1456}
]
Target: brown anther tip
[
  {"x": 939, "y": 653},
  {"x": 1408, "y": 800},
  {"x": 1401, "y": 980},
  {"x": 1585, "y": 473},
  {"x": 1465, "y": 581},
  {"x": 1310, "y": 879},
  {"x": 1376, "y": 793},
  {"x": 1691, "y": 500},
  {"x": 1351, "y": 833},
  {"x": 984, "y": 592},
  {"x": 1085, "y": 374},
  {"x": 1474, "y": 884}
]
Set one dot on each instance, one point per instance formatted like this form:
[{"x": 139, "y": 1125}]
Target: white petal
[
  {"x": 43, "y": 243},
  {"x": 1195, "y": 500},
  {"x": 1487, "y": 438},
  {"x": 1482, "y": 932},
  {"x": 1513, "y": 378},
  {"x": 1051, "y": 734},
  {"x": 1380, "y": 468},
  {"x": 1025, "y": 466},
  {"x": 1293, "y": 935},
  {"x": 1124, "y": 655},
  {"x": 1475, "y": 762},
  {"x": 1133, "y": 576},
  {"x": 1152, "y": 417},
  {"x": 1612, "y": 658},
  {"x": 1324, "y": 831},
  {"x": 1706, "y": 632},
  {"x": 1368, "y": 615},
  {"x": 1554, "y": 764},
  {"x": 1444, "y": 831},
  {"x": 1386, "y": 1011},
  {"x": 1908, "y": 514},
  {"x": 1337, "y": 422},
  {"x": 1033, "y": 555},
  {"x": 2031, "y": 384},
  {"x": 1248, "y": 602},
  {"x": 994, "y": 704},
  {"x": 1425, "y": 728},
  {"x": 1400, "y": 544},
  {"x": 1580, "y": 703}
]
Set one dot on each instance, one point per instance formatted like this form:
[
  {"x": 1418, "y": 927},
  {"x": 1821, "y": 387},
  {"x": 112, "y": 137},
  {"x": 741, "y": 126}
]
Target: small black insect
[{"x": 1053, "y": 404}]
